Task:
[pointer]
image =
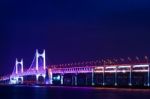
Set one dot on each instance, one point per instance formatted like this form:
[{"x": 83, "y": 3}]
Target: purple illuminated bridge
[
  {"x": 37, "y": 68},
  {"x": 128, "y": 74}
]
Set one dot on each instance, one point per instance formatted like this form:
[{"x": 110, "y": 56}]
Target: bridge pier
[
  {"x": 130, "y": 76},
  {"x": 93, "y": 77},
  {"x": 16, "y": 80},
  {"x": 13, "y": 80},
  {"x": 62, "y": 79},
  {"x": 72, "y": 80},
  {"x": 86, "y": 80},
  {"x": 76, "y": 79},
  {"x": 116, "y": 76},
  {"x": 20, "y": 78},
  {"x": 51, "y": 79},
  {"x": 103, "y": 76},
  {"x": 148, "y": 81},
  {"x": 37, "y": 78},
  {"x": 50, "y": 76}
]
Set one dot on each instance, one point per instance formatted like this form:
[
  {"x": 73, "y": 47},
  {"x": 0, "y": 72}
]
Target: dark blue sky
[{"x": 73, "y": 30}]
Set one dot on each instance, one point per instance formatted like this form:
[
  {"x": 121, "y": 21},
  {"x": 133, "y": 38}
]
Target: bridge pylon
[
  {"x": 42, "y": 55},
  {"x": 17, "y": 64},
  {"x": 17, "y": 75},
  {"x": 41, "y": 71}
]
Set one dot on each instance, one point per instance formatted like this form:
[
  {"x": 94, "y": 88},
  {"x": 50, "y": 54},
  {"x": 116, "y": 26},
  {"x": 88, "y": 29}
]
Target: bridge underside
[
  {"x": 99, "y": 79},
  {"x": 28, "y": 79}
]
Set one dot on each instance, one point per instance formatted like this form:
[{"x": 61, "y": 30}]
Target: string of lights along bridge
[{"x": 93, "y": 73}]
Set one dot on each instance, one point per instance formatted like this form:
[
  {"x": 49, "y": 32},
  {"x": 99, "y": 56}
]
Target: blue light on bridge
[{"x": 56, "y": 77}]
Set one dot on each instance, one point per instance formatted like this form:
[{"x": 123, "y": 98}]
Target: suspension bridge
[
  {"x": 37, "y": 68},
  {"x": 88, "y": 75}
]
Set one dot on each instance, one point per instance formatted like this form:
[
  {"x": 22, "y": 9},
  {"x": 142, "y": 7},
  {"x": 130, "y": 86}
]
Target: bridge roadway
[
  {"x": 92, "y": 75},
  {"x": 102, "y": 75}
]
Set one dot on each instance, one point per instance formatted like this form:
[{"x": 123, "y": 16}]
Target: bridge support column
[
  {"x": 50, "y": 76},
  {"x": 116, "y": 76},
  {"x": 16, "y": 80},
  {"x": 103, "y": 76},
  {"x": 130, "y": 76},
  {"x": 62, "y": 79},
  {"x": 13, "y": 80},
  {"x": 21, "y": 80},
  {"x": 148, "y": 76},
  {"x": 37, "y": 79},
  {"x": 44, "y": 76},
  {"x": 93, "y": 77},
  {"x": 51, "y": 81},
  {"x": 72, "y": 79},
  {"x": 86, "y": 81},
  {"x": 76, "y": 78}
]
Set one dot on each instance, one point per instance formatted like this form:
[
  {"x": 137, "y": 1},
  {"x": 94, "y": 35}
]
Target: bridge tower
[
  {"x": 17, "y": 77},
  {"x": 17, "y": 64},
  {"x": 38, "y": 55},
  {"x": 40, "y": 71}
]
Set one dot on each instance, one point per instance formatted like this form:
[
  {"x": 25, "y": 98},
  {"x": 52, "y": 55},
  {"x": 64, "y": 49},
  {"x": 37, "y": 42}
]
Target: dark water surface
[{"x": 43, "y": 92}]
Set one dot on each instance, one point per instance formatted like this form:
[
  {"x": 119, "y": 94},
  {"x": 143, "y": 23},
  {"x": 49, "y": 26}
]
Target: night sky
[{"x": 72, "y": 30}]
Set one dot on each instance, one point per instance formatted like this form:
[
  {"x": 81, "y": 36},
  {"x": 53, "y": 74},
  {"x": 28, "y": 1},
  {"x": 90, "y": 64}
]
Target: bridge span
[
  {"x": 112, "y": 75},
  {"x": 89, "y": 75}
]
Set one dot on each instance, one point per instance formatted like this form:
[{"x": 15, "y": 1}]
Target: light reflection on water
[{"x": 60, "y": 92}]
